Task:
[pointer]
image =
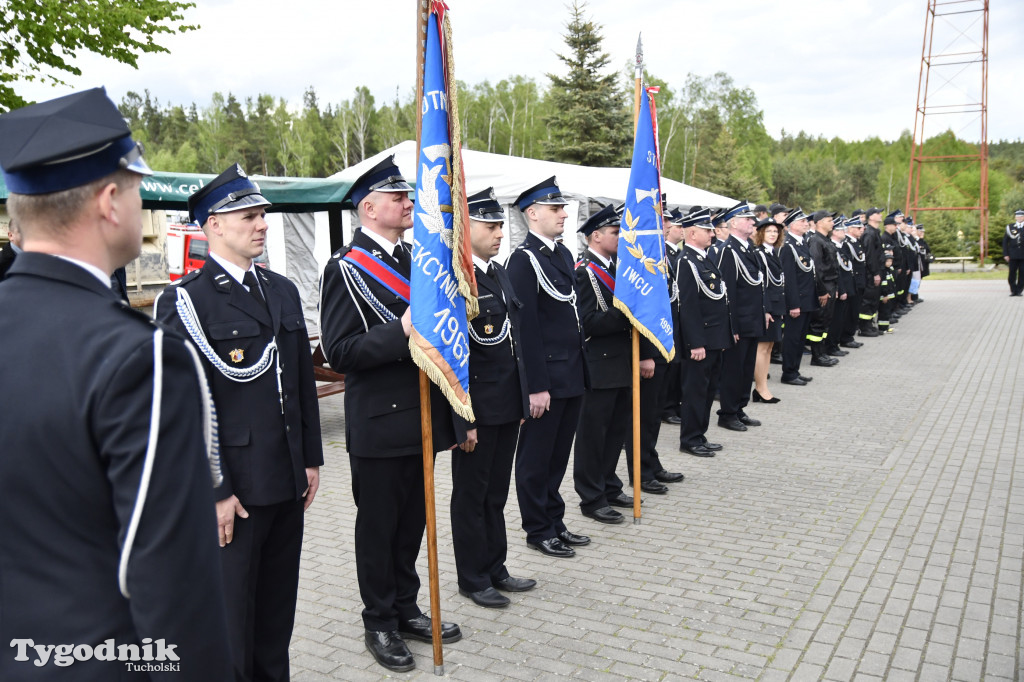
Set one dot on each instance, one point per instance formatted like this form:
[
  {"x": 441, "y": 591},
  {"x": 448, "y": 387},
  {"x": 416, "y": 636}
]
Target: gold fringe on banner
[
  {"x": 430, "y": 361},
  {"x": 651, "y": 336}
]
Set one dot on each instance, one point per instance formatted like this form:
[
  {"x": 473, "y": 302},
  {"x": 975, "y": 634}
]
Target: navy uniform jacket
[
  {"x": 775, "y": 294},
  {"x": 1013, "y": 241},
  {"x": 265, "y": 452},
  {"x": 382, "y": 385},
  {"x": 552, "y": 335},
  {"x": 892, "y": 241},
  {"x": 673, "y": 258},
  {"x": 826, "y": 267},
  {"x": 746, "y": 300},
  {"x": 798, "y": 269},
  {"x": 76, "y": 406},
  {"x": 847, "y": 278},
  {"x": 926, "y": 255},
  {"x": 854, "y": 250},
  {"x": 607, "y": 330},
  {"x": 705, "y": 322},
  {"x": 910, "y": 255},
  {"x": 497, "y": 374}
]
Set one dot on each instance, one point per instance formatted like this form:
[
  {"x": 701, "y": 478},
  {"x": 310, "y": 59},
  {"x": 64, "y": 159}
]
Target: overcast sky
[{"x": 828, "y": 67}]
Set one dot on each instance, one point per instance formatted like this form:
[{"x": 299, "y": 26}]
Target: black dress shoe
[
  {"x": 776, "y": 359},
  {"x": 758, "y": 398},
  {"x": 572, "y": 539},
  {"x": 668, "y": 476},
  {"x": 511, "y": 584},
  {"x": 489, "y": 598},
  {"x": 418, "y": 628},
  {"x": 798, "y": 381},
  {"x": 837, "y": 353},
  {"x": 868, "y": 333},
  {"x": 807, "y": 379},
  {"x": 671, "y": 419},
  {"x": 605, "y": 515},
  {"x": 733, "y": 424},
  {"x": 824, "y": 361},
  {"x": 389, "y": 650},
  {"x": 714, "y": 447},
  {"x": 851, "y": 344},
  {"x": 621, "y": 500},
  {"x": 747, "y": 420},
  {"x": 698, "y": 450},
  {"x": 552, "y": 547},
  {"x": 653, "y": 487}
]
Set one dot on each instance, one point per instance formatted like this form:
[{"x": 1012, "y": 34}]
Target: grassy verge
[{"x": 977, "y": 274}]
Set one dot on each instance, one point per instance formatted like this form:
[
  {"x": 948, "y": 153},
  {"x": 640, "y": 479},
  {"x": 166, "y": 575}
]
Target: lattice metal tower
[{"x": 953, "y": 84}]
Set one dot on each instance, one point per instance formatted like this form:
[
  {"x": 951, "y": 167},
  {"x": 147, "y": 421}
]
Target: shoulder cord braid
[
  {"x": 741, "y": 268},
  {"x": 859, "y": 257},
  {"x": 349, "y": 271},
  {"x": 187, "y": 313},
  {"x": 800, "y": 263},
  {"x": 601, "y": 305},
  {"x": 845, "y": 263},
  {"x": 703, "y": 287},
  {"x": 544, "y": 283},
  {"x": 1009, "y": 233},
  {"x": 779, "y": 281},
  {"x": 210, "y": 436},
  {"x": 147, "y": 465},
  {"x": 673, "y": 295},
  {"x": 506, "y": 327}
]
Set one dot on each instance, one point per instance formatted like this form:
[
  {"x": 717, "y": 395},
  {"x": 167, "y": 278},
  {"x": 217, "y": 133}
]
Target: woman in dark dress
[{"x": 769, "y": 238}]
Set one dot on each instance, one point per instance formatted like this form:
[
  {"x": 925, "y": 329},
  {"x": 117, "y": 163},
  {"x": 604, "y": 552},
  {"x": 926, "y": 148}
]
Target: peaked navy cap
[
  {"x": 66, "y": 142},
  {"x": 232, "y": 190},
  {"x": 701, "y": 218},
  {"x": 795, "y": 215},
  {"x": 545, "y": 192},
  {"x": 484, "y": 207},
  {"x": 383, "y": 177},
  {"x": 740, "y": 210},
  {"x": 603, "y": 218}
]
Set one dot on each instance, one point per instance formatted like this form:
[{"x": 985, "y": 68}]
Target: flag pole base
[
  {"x": 439, "y": 670},
  {"x": 636, "y": 521}
]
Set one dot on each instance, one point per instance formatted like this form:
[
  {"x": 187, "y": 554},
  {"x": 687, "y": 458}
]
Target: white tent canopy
[{"x": 510, "y": 175}]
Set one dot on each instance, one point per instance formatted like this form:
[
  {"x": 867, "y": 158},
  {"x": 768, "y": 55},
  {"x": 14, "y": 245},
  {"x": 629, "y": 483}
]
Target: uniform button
[
  {"x": 393, "y": 405},
  {"x": 287, "y": 429},
  {"x": 234, "y": 332},
  {"x": 286, "y": 397}
]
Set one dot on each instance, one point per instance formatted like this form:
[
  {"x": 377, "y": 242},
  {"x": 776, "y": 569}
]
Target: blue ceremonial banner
[
  {"x": 442, "y": 282},
  {"x": 641, "y": 271}
]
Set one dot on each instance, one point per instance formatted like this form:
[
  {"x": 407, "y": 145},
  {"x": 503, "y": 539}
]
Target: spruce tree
[{"x": 589, "y": 123}]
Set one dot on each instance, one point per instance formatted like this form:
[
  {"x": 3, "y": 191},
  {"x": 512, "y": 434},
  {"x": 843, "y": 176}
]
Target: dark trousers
[
  {"x": 390, "y": 520},
  {"x": 605, "y": 424},
  {"x": 480, "y": 482},
  {"x": 1016, "y": 277},
  {"x": 821, "y": 320},
  {"x": 651, "y": 391},
  {"x": 851, "y": 320},
  {"x": 835, "y": 329},
  {"x": 737, "y": 377},
  {"x": 671, "y": 395},
  {"x": 541, "y": 459},
  {"x": 261, "y": 581},
  {"x": 700, "y": 381},
  {"x": 885, "y": 309},
  {"x": 793, "y": 338},
  {"x": 869, "y": 306}
]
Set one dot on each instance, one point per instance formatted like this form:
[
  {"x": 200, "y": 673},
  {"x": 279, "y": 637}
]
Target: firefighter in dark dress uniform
[
  {"x": 826, "y": 282},
  {"x": 248, "y": 326},
  {"x": 605, "y": 421},
  {"x": 106, "y": 502},
  {"x": 364, "y": 326},
  {"x": 672, "y": 392},
  {"x": 1013, "y": 253},
  {"x": 874, "y": 265},
  {"x": 543, "y": 277},
  {"x": 482, "y": 467},
  {"x": 742, "y": 273},
  {"x": 854, "y": 250},
  {"x": 706, "y": 331},
  {"x": 801, "y": 302},
  {"x": 846, "y": 289}
]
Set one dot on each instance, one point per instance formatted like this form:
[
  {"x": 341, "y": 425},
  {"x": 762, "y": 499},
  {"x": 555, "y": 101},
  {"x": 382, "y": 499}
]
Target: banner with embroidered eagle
[
  {"x": 641, "y": 271},
  {"x": 442, "y": 281}
]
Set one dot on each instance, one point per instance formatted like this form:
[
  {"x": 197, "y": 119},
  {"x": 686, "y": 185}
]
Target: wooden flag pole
[
  {"x": 426, "y": 427},
  {"x": 638, "y": 87}
]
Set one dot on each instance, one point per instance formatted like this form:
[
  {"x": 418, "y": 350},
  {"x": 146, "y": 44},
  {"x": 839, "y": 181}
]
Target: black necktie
[
  {"x": 254, "y": 288},
  {"x": 402, "y": 256},
  {"x": 611, "y": 268},
  {"x": 490, "y": 270}
]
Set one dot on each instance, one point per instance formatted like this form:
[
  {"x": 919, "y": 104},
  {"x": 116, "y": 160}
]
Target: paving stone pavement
[{"x": 871, "y": 529}]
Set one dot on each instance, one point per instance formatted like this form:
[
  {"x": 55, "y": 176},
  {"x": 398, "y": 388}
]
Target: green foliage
[
  {"x": 589, "y": 122},
  {"x": 39, "y": 39}
]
